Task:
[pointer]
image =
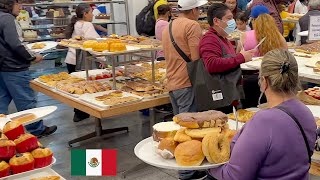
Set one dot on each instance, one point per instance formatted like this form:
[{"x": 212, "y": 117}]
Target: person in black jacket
[{"x": 14, "y": 68}]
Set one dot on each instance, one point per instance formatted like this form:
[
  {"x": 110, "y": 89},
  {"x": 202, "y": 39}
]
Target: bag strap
[
  {"x": 300, "y": 127},
  {"x": 181, "y": 53}
]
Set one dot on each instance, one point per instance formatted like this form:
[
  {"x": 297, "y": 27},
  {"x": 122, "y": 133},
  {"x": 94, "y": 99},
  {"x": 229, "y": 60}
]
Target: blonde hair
[
  {"x": 265, "y": 26},
  {"x": 286, "y": 81}
]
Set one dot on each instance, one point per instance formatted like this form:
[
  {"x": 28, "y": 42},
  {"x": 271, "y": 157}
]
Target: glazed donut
[{"x": 216, "y": 147}]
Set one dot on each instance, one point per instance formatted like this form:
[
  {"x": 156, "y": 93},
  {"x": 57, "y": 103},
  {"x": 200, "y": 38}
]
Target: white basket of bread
[{"x": 193, "y": 141}]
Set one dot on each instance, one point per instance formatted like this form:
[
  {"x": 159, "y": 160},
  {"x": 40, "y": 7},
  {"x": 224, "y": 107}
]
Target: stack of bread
[
  {"x": 193, "y": 137},
  {"x": 20, "y": 151}
]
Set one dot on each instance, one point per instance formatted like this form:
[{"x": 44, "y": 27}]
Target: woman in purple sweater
[{"x": 271, "y": 145}]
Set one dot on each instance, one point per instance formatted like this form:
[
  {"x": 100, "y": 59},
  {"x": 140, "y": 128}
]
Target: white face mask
[{"x": 231, "y": 26}]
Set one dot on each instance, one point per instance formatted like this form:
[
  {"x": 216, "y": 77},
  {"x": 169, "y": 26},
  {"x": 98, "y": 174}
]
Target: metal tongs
[{"x": 236, "y": 116}]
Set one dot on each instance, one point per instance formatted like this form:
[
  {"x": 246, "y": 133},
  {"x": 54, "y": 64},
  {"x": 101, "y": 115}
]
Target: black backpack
[{"x": 145, "y": 21}]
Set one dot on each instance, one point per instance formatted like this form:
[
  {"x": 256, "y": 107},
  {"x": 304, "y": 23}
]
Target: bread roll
[
  {"x": 205, "y": 119},
  {"x": 24, "y": 118},
  {"x": 202, "y": 132},
  {"x": 189, "y": 153},
  {"x": 181, "y": 136},
  {"x": 164, "y": 130},
  {"x": 166, "y": 148}
]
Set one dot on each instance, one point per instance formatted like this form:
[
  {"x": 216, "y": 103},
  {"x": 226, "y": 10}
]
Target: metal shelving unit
[
  {"x": 48, "y": 3},
  {"x": 70, "y": 4}
]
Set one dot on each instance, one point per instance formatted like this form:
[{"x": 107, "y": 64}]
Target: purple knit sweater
[{"x": 271, "y": 146}]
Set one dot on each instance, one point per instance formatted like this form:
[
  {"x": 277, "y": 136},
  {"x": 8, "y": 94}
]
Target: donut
[{"x": 216, "y": 147}]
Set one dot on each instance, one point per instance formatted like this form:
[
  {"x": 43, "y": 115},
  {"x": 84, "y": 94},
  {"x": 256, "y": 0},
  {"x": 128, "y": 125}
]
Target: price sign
[{"x": 314, "y": 28}]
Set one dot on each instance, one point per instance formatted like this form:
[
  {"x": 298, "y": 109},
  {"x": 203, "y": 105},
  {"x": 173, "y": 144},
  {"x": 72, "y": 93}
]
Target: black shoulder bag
[
  {"x": 211, "y": 91},
  {"x": 300, "y": 128}
]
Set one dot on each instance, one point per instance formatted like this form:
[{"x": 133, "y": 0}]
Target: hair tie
[{"x": 285, "y": 66}]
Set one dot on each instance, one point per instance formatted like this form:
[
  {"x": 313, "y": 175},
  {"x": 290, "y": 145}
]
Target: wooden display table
[{"x": 97, "y": 112}]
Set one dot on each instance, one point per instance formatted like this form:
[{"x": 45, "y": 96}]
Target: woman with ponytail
[{"x": 81, "y": 25}]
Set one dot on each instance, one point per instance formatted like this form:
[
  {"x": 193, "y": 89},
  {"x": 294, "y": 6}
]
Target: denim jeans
[
  {"x": 183, "y": 100},
  {"x": 16, "y": 86}
]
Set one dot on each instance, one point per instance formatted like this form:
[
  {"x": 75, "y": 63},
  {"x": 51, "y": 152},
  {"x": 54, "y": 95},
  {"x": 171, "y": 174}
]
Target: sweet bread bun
[
  {"x": 205, "y": 119},
  {"x": 26, "y": 143},
  {"x": 42, "y": 157},
  {"x": 216, "y": 147},
  {"x": 166, "y": 148},
  {"x": 13, "y": 129},
  {"x": 164, "y": 130},
  {"x": 4, "y": 169},
  {"x": 24, "y": 118},
  {"x": 189, "y": 153},
  {"x": 202, "y": 132},
  {"x": 21, "y": 163},
  {"x": 7, "y": 149},
  {"x": 181, "y": 136}
]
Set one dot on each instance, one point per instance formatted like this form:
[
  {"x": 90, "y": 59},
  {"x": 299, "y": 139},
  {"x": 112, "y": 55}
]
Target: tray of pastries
[
  {"x": 312, "y": 48},
  {"x": 243, "y": 115},
  {"x": 144, "y": 88},
  {"x": 110, "y": 98},
  {"x": 46, "y": 174},
  {"x": 21, "y": 152},
  {"x": 310, "y": 96},
  {"x": 160, "y": 75},
  {"x": 75, "y": 42},
  {"x": 157, "y": 65},
  {"x": 193, "y": 141},
  {"x": 83, "y": 87},
  {"x": 51, "y": 80}
]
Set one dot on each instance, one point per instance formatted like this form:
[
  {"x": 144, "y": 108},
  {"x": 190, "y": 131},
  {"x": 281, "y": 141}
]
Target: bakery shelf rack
[
  {"x": 48, "y": 3},
  {"x": 56, "y": 22}
]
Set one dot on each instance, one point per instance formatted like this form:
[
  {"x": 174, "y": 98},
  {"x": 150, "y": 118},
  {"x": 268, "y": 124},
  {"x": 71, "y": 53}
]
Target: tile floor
[{"x": 139, "y": 128}]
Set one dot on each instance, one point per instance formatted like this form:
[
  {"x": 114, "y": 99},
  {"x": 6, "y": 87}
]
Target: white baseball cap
[{"x": 184, "y": 5}]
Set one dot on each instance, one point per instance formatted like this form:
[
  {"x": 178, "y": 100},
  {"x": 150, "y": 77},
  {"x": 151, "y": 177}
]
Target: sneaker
[{"x": 48, "y": 131}]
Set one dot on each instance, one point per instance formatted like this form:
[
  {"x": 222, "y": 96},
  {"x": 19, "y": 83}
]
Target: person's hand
[
  {"x": 38, "y": 59},
  {"x": 248, "y": 54}
]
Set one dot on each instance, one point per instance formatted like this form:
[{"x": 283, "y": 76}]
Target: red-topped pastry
[
  {"x": 7, "y": 149},
  {"x": 26, "y": 143},
  {"x": 13, "y": 130},
  {"x": 42, "y": 156},
  {"x": 21, "y": 163},
  {"x": 4, "y": 169}
]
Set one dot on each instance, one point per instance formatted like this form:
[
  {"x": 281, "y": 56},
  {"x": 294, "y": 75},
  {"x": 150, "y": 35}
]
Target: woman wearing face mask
[
  {"x": 264, "y": 26},
  {"x": 277, "y": 143},
  {"x": 218, "y": 53}
]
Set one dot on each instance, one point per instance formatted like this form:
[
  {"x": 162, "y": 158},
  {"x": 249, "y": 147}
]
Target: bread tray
[
  {"x": 146, "y": 151},
  {"x": 90, "y": 98},
  {"x": 28, "y": 173}
]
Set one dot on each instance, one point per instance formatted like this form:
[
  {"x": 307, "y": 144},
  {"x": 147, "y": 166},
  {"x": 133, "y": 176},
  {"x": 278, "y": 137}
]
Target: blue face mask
[{"x": 231, "y": 26}]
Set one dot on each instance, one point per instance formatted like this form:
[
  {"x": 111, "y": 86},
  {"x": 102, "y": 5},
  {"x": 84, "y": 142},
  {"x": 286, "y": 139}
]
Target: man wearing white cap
[{"x": 186, "y": 32}]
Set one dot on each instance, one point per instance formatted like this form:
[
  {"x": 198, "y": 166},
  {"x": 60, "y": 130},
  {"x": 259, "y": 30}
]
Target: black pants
[{"x": 72, "y": 68}]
